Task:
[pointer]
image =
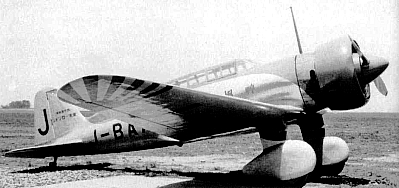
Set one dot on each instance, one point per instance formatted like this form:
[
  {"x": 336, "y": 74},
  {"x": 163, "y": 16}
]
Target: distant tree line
[{"x": 17, "y": 104}]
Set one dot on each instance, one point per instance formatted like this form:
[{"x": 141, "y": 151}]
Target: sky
[{"x": 49, "y": 43}]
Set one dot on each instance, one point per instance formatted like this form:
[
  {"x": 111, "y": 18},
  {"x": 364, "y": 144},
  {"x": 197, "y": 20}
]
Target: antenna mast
[{"x": 296, "y": 32}]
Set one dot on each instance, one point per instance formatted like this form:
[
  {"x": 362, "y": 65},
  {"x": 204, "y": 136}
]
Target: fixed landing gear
[
  {"x": 331, "y": 152},
  {"x": 313, "y": 133},
  {"x": 295, "y": 160},
  {"x": 335, "y": 155},
  {"x": 285, "y": 162}
]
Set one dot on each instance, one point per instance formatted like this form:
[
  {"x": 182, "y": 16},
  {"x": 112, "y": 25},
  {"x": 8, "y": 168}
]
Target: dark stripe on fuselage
[
  {"x": 274, "y": 85},
  {"x": 267, "y": 87}
]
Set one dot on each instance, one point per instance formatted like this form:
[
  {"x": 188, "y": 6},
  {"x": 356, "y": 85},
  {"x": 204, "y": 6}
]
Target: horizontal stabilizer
[{"x": 65, "y": 149}]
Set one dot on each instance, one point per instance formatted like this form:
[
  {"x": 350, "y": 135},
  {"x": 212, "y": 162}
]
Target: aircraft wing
[{"x": 181, "y": 113}]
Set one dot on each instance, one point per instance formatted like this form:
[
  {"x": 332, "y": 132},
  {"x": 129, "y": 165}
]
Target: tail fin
[{"x": 54, "y": 118}]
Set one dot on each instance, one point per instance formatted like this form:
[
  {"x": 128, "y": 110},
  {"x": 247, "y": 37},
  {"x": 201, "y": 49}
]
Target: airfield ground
[{"x": 373, "y": 139}]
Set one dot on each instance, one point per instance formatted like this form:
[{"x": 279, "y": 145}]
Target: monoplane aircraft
[{"x": 237, "y": 96}]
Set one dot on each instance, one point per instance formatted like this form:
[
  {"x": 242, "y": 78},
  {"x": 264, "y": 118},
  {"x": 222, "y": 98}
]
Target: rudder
[{"x": 53, "y": 118}]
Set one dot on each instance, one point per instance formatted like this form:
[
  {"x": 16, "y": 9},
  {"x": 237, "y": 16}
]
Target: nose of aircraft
[{"x": 376, "y": 66}]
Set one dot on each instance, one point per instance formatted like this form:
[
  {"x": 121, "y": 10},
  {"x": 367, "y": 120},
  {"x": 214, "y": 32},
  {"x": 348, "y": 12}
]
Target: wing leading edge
[{"x": 169, "y": 110}]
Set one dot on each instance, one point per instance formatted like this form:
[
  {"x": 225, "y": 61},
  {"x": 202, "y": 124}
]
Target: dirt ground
[{"x": 373, "y": 139}]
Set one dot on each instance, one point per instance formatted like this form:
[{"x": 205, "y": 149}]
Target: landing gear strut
[
  {"x": 313, "y": 133},
  {"x": 53, "y": 163},
  {"x": 331, "y": 152}
]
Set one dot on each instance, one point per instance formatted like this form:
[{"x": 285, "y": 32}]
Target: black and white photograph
[{"x": 175, "y": 94}]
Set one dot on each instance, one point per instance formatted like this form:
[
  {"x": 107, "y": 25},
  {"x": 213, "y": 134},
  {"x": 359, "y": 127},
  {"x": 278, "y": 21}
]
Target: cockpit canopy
[{"x": 214, "y": 73}]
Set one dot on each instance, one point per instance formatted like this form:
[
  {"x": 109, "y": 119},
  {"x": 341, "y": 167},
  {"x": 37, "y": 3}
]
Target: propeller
[
  {"x": 379, "y": 83},
  {"x": 370, "y": 69}
]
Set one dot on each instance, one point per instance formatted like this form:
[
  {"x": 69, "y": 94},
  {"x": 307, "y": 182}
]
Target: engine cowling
[
  {"x": 340, "y": 87},
  {"x": 329, "y": 76}
]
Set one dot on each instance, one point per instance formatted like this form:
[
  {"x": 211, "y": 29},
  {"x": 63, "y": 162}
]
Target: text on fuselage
[
  {"x": 63, "y": 117},
  {"x": 63, "y": 111},
  {"x": 119, "y": 133}
]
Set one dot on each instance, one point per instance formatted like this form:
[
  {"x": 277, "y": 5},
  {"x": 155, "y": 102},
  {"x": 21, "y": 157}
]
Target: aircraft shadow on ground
[
  {"x": 237, "y": 179},
  {"x": 205, "y": 179},
  {"x": 341, "y": 179},
  {"x": 97, "y": 166}
]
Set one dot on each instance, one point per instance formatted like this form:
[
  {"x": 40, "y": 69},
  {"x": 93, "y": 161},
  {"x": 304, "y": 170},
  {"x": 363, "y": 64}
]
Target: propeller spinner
[{"x": 369, "y": 68}]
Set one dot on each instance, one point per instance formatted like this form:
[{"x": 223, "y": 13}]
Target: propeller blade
[{"x": 379, "y": 83}]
